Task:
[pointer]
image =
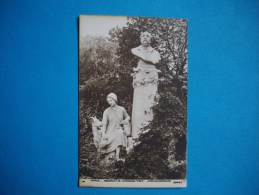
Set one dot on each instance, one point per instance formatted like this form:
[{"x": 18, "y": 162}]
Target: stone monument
[{"x": 145, "y": 81}]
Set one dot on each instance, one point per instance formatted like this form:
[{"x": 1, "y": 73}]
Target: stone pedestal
[{"x": 145, "y": 81}]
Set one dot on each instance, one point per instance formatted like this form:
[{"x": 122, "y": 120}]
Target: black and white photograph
[{"x": 132, "y": 101}]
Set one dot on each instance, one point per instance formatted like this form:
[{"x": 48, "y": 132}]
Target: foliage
[{"x": 105, "y": 66}]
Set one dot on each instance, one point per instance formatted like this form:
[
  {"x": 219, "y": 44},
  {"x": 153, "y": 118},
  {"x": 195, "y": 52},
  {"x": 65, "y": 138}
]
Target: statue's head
[
  {"x": 112, "y": 99},
  {"x": 145, "y": 38}
]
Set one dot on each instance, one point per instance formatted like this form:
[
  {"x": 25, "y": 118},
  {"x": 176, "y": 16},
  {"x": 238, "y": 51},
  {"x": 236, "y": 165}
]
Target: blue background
[{"x": 39, "y": 96}]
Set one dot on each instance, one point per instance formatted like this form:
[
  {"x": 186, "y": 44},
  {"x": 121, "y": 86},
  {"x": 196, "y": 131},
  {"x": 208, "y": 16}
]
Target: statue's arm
[
  {"x": 137, "y": 53},
  {"x": 104, "y": 122},
  {"x": 126, "y": 117},
  {"x": 153, "y": 58},
  {"x": 156, "y": 57}
]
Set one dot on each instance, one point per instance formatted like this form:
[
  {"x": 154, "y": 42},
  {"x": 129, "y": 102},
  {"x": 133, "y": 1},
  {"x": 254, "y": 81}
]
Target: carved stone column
[{"x": 145, "y": 81}]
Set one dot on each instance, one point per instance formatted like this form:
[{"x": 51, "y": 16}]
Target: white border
[{"x": 133, "y": 183}]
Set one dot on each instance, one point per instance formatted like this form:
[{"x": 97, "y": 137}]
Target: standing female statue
[
  {"x": 113, "y": 135},
  {"x": 145, "y": 80}
]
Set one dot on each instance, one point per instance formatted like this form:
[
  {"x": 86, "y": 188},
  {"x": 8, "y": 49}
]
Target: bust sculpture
[{"x": 146, "y": 54}]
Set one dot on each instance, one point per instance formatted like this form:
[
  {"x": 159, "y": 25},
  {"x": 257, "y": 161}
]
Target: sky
[{"x": 99, "y": 25}]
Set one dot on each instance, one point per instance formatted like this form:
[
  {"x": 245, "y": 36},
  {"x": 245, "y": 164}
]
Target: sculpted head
[
  {"x": 112, "y": 99},
  {"x": 145, "y": 38}
]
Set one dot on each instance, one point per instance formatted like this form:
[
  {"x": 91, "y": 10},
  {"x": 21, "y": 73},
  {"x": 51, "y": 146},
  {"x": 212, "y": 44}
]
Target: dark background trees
[{"x": 105, "y": 66}]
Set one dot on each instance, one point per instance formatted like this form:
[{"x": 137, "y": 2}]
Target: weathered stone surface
[{"x": 145, "y": 80}]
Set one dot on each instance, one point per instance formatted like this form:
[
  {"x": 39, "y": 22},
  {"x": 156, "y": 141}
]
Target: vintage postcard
[{"x": 132, "y": 102}]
